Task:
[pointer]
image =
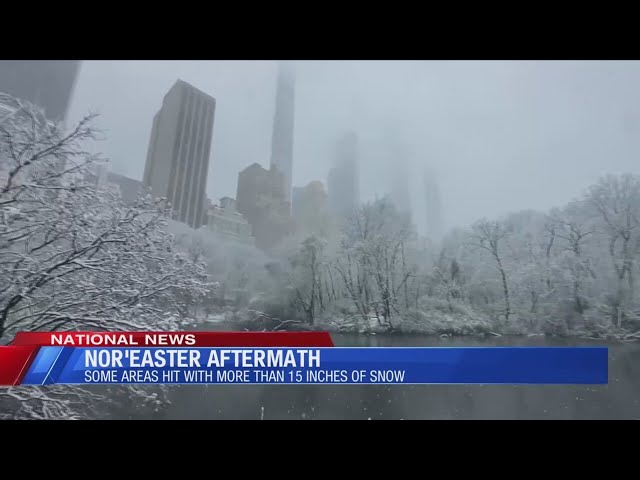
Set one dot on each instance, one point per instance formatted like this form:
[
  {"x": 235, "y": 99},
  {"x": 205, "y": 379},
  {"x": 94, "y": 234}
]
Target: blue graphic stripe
[
  {"x": 58, "y": 365},
  {"x": 41, "y": 366},
  {"x": 431, "y": 365}
]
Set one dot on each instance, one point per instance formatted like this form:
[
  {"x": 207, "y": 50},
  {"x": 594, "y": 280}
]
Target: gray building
[
  {"x": 178, "y": 157},
  {"x": 46, "y": 83},
  {"x": 226, "y": 221},
  {"x": 283, "y": 123},
  {"x": 262, "y": 201},
  {"x": 297, "y": 201},
  {"x": 129, "y": 189},
  {"x": 400, "y": 189},
  {"x": 310, "y": 209},
  {"x": 435, "y": 216},
  {"x": 343, "y": 182}
]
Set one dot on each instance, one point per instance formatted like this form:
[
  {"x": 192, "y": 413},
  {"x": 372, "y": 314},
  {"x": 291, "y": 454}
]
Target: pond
[{"x": 620, "y": 399}]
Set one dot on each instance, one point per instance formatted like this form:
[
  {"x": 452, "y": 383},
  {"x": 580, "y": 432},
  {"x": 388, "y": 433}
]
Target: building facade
[
  {"x": 262, "y": 201},
  {"x": 434, "y": 210},
  {"x": 343, "y": 181},
  {"x": 128, "y": 189},
  {"x": 400, "y": 193},
  {"x": 310, "y": 210},
  {"x": 226, "y": 221},
  {"x": 297, "y": 200},
  {"x": 283, "y": 126},
  {"x": 48, "y": 84},
  {"x": 178, "y": 157}
]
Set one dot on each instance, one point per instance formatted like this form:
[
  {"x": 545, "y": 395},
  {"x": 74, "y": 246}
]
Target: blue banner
[{"x": 429, "y": 365}]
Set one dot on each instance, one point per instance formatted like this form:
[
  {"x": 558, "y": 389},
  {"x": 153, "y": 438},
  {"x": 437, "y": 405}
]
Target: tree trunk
[
  {"x": 578, "y": 307},
  {"x": 505, "y": 288},
  {"x": 548, "y": 259},
  {"x": 404, "y": 272},
  {"x": 534, "y": 302},
  {"x": 312, "y": 300}
]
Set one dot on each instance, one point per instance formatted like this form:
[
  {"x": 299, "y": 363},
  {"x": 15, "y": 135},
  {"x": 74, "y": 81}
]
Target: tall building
[
  {"x": 226, "y": 221},
  {"x": 129, "y": 189},
  {"x": 283, "y": 123},
  {"x": 178, "y": 156},
  {"x": 261, "y": 199},
  {"x": 343, "y": 182},
  {"x": 309, "y": 209},
  {"x": 400, "y": 191},
  {"x": 399, "y": 177},
  {"x": 48, "y": 84},
  {"x": 297, "y": 200},
  {"x": 435, "y": 222}
]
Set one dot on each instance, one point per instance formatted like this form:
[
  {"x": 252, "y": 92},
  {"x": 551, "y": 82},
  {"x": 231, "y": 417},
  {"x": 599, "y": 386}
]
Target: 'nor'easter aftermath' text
[{"x": 190, "y": 358}]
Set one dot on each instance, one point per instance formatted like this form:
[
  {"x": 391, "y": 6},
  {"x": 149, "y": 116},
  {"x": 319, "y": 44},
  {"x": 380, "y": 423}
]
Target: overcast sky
[{"x": 501, "y": 136}]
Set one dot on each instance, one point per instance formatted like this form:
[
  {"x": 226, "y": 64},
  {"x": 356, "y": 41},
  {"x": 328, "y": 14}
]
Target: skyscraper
[
  {"x": 228, "y": 223},
  {"x": 48, "y": 84},
  {"x": 399, "y": 177},
  {"x": 283, "y": 122},
  {"x": 434, "y": 226},
  {"x": 297, "y": 200},
  {"x": 310, "y": 209},
  {"x": 261, "y": 200},
  {"x": 178, "y": 156},
  {"x": 343, "y": 181}
]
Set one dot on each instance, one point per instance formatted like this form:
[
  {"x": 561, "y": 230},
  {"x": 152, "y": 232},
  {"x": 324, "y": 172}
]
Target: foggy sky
[{"x": 500, "y": 135}]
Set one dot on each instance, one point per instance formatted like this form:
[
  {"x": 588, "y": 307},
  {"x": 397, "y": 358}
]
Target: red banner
[
  {"x": 14, "y": 362},
  {"x": 174, "y": 339}
]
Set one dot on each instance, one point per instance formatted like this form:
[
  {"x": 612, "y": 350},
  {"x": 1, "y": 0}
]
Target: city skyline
[
  {"x": 401, "y": 209},
  {"x": 492, "y": 130}
]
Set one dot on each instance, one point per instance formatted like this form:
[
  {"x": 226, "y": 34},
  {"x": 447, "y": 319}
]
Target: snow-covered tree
[
  {"x": 490, "y": 237},
  {"x": 372, "y": 262},
  {"x": 74, "y": 256},
  {"x": 573, "y": 230},
  {"x": 616, "y": 199},
  {"x": 309, "y": 267}
]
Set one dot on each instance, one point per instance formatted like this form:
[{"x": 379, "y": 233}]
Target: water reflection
[{"x": 618, "y": 400}]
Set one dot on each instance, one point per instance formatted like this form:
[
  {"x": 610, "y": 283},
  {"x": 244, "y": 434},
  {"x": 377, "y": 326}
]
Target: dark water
[{"x": 618, "y": 400}]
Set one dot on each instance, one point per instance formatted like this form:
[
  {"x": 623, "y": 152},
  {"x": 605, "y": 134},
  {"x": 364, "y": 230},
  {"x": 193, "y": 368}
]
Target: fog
[
  {"x": 500, "y": 135},
  {"x": 497, "y": 139}
]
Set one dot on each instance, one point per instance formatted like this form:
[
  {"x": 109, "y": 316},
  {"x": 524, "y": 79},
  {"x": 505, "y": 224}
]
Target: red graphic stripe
[
  {"x": 176, "y": 339},
  {"x": 27, "y": 365},
  {"x": 14, "y": 363}
]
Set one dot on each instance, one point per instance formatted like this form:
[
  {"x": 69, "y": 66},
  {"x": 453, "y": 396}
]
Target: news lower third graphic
[{"x": 283, "y": 358}]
